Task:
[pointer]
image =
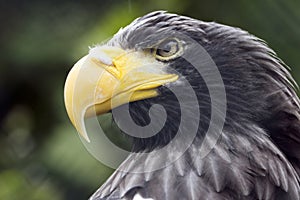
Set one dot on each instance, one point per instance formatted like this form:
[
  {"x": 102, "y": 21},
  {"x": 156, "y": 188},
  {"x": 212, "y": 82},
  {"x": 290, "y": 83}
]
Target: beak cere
[{"x": 108, "y": 77}]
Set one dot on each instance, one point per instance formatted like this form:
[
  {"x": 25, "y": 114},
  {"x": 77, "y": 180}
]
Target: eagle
[{"x": 211, "y": 111}]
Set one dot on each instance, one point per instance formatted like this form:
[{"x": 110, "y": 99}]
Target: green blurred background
[{"x": 41, "y": 156}]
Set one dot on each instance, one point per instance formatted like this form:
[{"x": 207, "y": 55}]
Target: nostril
[{"x": 100, "y": 56}]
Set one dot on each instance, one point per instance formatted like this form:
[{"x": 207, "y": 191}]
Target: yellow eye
[{"x": 168, "y": 49}]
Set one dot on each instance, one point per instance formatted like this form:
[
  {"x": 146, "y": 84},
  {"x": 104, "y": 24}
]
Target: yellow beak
[{"x": 108, "y": 77}]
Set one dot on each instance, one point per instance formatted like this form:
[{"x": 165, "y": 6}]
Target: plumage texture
[{"x": 258, "y": 153}]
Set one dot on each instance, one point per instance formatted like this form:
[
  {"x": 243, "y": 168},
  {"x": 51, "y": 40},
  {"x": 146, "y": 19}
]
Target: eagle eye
[{"x": 168, "y": 49}]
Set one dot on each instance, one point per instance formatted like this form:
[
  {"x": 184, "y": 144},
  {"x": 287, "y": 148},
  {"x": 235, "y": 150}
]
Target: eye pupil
[{"x": 167, "y": 48}]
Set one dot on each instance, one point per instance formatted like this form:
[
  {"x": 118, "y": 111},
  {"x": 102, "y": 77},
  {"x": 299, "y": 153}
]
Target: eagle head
[{"x": 170, "y": 79}]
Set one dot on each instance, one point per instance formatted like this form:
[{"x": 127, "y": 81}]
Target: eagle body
[{"x": 256, "y": 156}]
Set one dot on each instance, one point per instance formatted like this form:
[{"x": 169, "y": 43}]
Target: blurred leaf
[
  {"x": 64, "y": 154},
  {"x": 15, "y": 186}
]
